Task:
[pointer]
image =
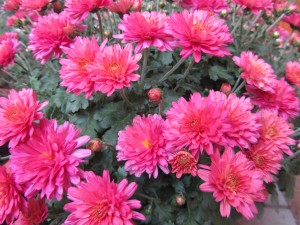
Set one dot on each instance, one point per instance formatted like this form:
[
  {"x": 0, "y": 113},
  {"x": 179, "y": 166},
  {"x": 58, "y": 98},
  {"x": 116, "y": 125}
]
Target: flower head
[
  {"x": 284, "y": 99},
  {"x": 35, "y": 213},
  {"x": 256, "y": 71},
  {"x": 48, "y": 161},
  {"x": 74, "y": 73},
  {"x": 293, "y": 20},
  {"x": 114, "y": 68},
  {"x": 183, "y": 162},
  {"x": 142, "y": 145},
  {"x": 39, "y": 5},
  {"x": 213, "y": 5},
  {"x": 11, "y": 5},
  {"x": 255, "y": 5},
  {"x": 45, "y": 42},
  {"x": 17, "y": 115},
  {"x": 196, "y": 124},
  {"x": 292, "y": 73},
  {"x": 11, "y": 199},
  {"x": 234, "y": 182},
  {"x": 121, "y": 6},
  {"x": 146, "y": 29},
  {"x": 198, "y": 31},
  {"x": 9, "y": 46},
  {"x": 80, "y": 9},
  {"x": 101, "y": 201}
]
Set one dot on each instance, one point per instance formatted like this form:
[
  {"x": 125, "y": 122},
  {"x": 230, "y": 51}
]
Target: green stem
[
  {"x": 275, "y": 23},
  {"x": 10, "y": 75},
  {"x": 253, "y": 24},
  {"x": 240, "y": 87},
  {"x": 236, "y": 25},
  {"x": 186, "y": 72},
  {"x": 146, "y": 196},
  {"x": 124, "y": 97},
  {"x": 4, "y": 158},
  {"x": 236, "y": 83},
  {"x": 144, "y": 69},
  {"x": 285, "y": 44},
  {"x": 100, "y": 25},
  {"x": 160, "y": 107},
  {"x": 241, "y": 32},
  {"x": 171, "y": 71}
]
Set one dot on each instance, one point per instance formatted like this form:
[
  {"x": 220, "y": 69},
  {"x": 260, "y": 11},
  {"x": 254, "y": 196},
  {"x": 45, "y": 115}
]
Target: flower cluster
[{"x": 9, "y": 46}]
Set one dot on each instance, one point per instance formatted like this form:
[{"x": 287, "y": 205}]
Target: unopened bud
[
  {"x": 149, "y": 7},
  {"x": 108, "y": 33},
  {"x": 180, "y": 199},
  {"x": 287, "y": 11},
  {"x": 226, "y": 88},
  {"x": 277, "y": 42},
  {"x": 57, "y": 7},
  {"x": 275, "y": 35},
  {"x": 155, "y": 95},
  {"x": 223, "y": 13},
  {"x": 95, "y": 145},
  {"x": 162, "y": 4}
]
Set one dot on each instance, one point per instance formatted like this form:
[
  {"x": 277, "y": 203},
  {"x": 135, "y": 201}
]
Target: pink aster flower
[
  {"x": 17, "y": 19},
  {"x": 255, "y": 5},
  {"x": 244, "y": 130},
  {"x": 213, "y": 5},
  {"x": 292, "y": 73},
  {"x": 45, "y": 42},
  {"x": 80, "y": 9},
  {"x": 183, "y": 162},
  {"x": 11, "y": 199},
  {"x": 17, "y": 115},
  {"x": 146, "y": 29},
  {"x": 284, "y": 99},
  {"x": 293, "y": 20},
  {"x": 266, "y": 159},
  {"x": 256, "y": 71},
  {"x": 101, "y": 201},
  {"x": 9, "y": 46},
  {"x": 39, "y": 5},
  {"x": 74, "y": 73},
  {"x": 121, "y": 6},
  {"x": 11, "y": 5},
  {"x": 199, "y": 31},
  {"x": 142, "y": 145},
  {"x": 114, "y": 68},
  {"x": 35, "y": 213},
  {"x": 234, "y": 183},
  {"x": 49, "y": 160},
  {"x": 196, "y": 124},
  {"x": 275, "y": 130}
]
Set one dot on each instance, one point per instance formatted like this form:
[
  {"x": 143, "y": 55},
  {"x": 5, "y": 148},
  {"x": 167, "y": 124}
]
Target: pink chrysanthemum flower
[
  {"x": 101, "y": 201},
  {"x": 213, "y": 5},
  {"x": 199, "y": 31},
  {"x": 293, "y": 20},
  {"x": 80, "y": 9},
  {"x": 256, "y": 71},
  {"x": 48, "y": 161},
  {"x": 17, "y": 19},
  {"x": 142, "y": 145},
  {"x": 234, "y": 182},
  {"x": 39, "y": 5},
  {"x": 9, "y": 46},
  {"x": 244, "y": 130},
  {"x": 284, "y": 99},
  {"x": 74, "y": 73},
  {"x": 266, "y": 159},
  {"x": 35, "y": 213},
  {"x": 121, "y": 6},
  {"x": 255, "y": 5},
  {"x": 11, "y": 5},
  {"x": 45, "y": 42},
  {"x": 17, "y": 115},
  {"x": 11, "y": 199},
  {"x": 292, "y": 73},
  {"x": 275, "y": 130},
  {"x": 146, "y": 29},
  {"x": 114, "y": 68},
  {"x": 196, "y": 124},
  {"x": 183, "y": 162}
]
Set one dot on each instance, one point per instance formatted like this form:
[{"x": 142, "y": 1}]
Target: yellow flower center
[{"x": 147, "y": 143}]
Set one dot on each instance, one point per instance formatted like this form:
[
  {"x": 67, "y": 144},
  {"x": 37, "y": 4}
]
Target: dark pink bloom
[
  {"x": 142, "y": 145},
  {"x": 183, "y": 162},
  {"x": 11, "y": 5},
  {"x": 256, "y": 71},
  {"x": 9, "y": 46},
  {"x": 213, "y": 5},
  {"x": 11, "y": 199},
  {"x": 198, "y": 31},
  {"x": 74, "y": 73},
  {"x": 101, "y": 201},
  {"x": 114, "y": 68},
  {"x": 35, "y": 213},
  {"x": 146, "y": 29},
  {"x": 292, "y": 72},
  {"x": 49, "y": 160},
  {"x": 45, "y": 42},
  {"x": 196, "y": 124},
  {"x": 80, "y": 9},
  {"x": 121, "y": 6},
  {"x": 293, "y": 20},
  {"x": 39, "y": 5},
  {"x": 234, "y": 183},
  {"x": 19, "y": 17},
  {"x": 17, "y": 115},
  {"x": 255, "y": 5},
  {"x": 284, "y": 99}
]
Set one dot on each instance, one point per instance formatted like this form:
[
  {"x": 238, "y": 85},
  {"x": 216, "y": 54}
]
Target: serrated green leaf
[{"x": 218, "y": 72}]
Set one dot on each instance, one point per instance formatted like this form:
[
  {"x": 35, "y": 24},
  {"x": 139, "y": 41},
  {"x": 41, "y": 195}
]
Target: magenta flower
[
  {"x": 255, "y": 5},
  {"x": 215, "y": 6},
  {"x": 183, "y": 162},
  {"x": 49, "y": 160},
  {"x": 292, "y": 73},
  {"x": 9, "y": 46},
  {"x": 39, "y": 5},
  {"x": 293, "y": 20},
  {"x": 11, "y": 5},
  {"x": 101, "y": 201}
]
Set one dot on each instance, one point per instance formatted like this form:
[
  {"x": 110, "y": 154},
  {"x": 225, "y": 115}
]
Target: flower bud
[
  {"x": 275, "y": 35},
  {"x": 223, "y": 13},
  {"x": 57, "y": 7},
  {"x": 162, "y": 4},
  {"x": 180, "y": 200},
  {"x": 108, "y": 33},
  {"x": 155, "y": 95},
  {"x": 226, "y": 88},
  {"x": 287, "y": 11},
  {"x": 149, "y": 7},
  {"x": 277, "y": 42},
  {"x": 137, "y": 5},
  {"x": 95, "y": 145}
]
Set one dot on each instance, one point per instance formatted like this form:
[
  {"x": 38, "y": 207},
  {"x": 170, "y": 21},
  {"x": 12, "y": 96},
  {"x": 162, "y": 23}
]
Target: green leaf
[
  {"x": 166, "y": 58},
  {"x": 218, "y": 72},
  {"x": 163, "y": 211}
]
